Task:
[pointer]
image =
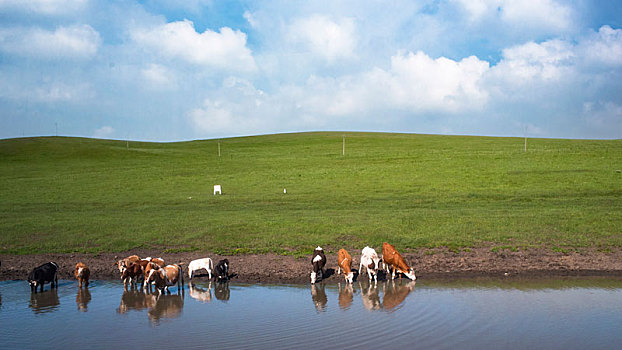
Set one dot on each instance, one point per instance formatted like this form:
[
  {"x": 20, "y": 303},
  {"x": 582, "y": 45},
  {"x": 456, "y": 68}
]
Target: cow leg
[{"x": 339, "y": 270}]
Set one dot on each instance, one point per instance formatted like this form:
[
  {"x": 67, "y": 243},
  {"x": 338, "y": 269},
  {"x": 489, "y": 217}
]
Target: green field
[{"x": 63, "y": 194}]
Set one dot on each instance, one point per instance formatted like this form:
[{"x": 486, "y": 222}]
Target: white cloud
[
  {"x": 533, "y": 63},
  {"x": 47, "y": 7},
  {"x": 323, "y": 37},
  {"x": 77, "y": 41},
  {"x": 104, "y": 132},
  {"x": 421, "y": 83},
  {"x": 159, "y": 76},
  {"x": 225, "y": 49},
  {"x": 537, "y": 13},
  {"x": 236, "y": 107},
  {"x": 604, "y": 47}
]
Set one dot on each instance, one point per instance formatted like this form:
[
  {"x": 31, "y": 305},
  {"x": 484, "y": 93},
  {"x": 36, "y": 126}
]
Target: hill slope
[{"x": 86, "y": 195}]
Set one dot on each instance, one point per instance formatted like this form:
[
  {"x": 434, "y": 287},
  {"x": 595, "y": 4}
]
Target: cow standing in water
[
  {"x": 46, "y": 273},
  {"x": 82, "y": 274},
  {"x": 318, "y": 261}
]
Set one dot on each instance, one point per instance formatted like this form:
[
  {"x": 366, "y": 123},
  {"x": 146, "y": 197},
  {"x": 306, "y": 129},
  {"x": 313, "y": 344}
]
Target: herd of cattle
[
  {"x": 153, "y": 271},
  {"x": 391, "y": 259}
]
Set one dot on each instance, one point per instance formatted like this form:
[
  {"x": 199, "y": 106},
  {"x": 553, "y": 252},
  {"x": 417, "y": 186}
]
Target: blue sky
[{"x": 196, "y": 69}]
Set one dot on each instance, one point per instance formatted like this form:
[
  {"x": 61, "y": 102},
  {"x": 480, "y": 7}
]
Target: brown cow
[
  {"x": 344, "y": 260},
  {"x": 391, "y": 257},
  {"x": 82, "y": 274}
]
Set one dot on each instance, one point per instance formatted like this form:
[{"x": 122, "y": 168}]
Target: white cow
[
  {"x": 198, "y": 264},
  {"x": 370, "y": 260}
]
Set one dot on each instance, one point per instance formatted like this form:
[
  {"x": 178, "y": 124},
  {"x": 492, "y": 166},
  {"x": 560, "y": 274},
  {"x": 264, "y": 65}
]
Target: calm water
[{"x": 560, "y": 314}]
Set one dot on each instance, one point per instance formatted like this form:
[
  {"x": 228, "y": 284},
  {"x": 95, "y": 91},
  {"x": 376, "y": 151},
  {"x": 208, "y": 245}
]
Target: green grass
[{"x": 62, "y": 194}]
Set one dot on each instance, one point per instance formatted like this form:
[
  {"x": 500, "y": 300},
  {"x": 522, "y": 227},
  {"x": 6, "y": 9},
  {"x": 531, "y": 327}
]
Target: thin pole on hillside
[
  {"x": 219, "y": 148},
  {"x": 525, "y": 139},
  {"x": 343, "y": 148}
]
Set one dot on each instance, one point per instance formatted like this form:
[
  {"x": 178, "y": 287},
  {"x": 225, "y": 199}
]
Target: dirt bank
[{"x": 271, "y": 268}]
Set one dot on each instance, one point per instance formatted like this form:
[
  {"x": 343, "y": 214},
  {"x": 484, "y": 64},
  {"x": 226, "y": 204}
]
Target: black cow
[
  {"x": 221, "y": 270},
  {"x": 318, "y": 261},
  {"x": 46, "y": 273}
]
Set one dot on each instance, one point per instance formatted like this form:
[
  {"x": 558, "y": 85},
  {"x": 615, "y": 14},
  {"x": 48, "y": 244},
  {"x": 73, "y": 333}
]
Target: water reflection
[
  {"x": 166, "y": 306},
  {"x": 136, "y": 300},
  {"x": 200, "y": 294},
  {"x": 44, "y": 302},
  {"x": 221, "y": 291},
  {"x": 395, "y": 293},
  {"x": 346, "y": 296},
  {"x": 318, "y": 295},
  {"x": 83, "y": 298},
  {"x": 370, "y": 296}
]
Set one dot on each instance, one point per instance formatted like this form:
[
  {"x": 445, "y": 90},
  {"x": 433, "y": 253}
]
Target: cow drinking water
[
  {"x": 391, "y": 257},
  {"x": 369, "y": 260},
  {"x": 318, "y": 261},
  {"x": 344, "y": 260}
]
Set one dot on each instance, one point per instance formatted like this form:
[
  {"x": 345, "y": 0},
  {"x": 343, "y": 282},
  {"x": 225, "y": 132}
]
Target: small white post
[
  {"x": 343, "y": 148},
  {"x": 217, "y": 189},
  {"x": 219, "y": 148}
]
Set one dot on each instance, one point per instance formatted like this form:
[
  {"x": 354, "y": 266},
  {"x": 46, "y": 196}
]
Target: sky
[{"x": 198, "y": 69}]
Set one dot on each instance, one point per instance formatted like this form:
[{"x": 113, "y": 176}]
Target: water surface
[{"x": 551, "y": 314}]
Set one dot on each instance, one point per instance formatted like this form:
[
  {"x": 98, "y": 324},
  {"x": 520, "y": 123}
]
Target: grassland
[{"x": 84, "y": 195}]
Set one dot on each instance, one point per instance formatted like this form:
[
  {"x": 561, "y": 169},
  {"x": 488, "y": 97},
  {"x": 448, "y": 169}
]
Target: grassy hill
[{"x": 84, "y": 195}]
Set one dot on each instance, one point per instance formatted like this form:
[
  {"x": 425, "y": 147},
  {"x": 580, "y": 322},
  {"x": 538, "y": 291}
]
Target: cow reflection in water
[
  {"x": 370, "y": 296},
  {"x": 318, "y": 295},
  {"x": 395, "y": 293},
  {"x": 166, "y": 306},
  {"x": 221, "y": 291},
  {"x": 83, "y": 298},
  {"x": 201, "y": 294},
  {"x": 137, "y": 300},
  {"x": 158, "y": 306},
  {"x": 45, "y": 301},
  {"x": 346, "y": 295}
]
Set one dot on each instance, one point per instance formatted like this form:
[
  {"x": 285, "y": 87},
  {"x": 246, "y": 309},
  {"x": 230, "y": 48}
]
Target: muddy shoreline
[{"x": 272, "y": 268}]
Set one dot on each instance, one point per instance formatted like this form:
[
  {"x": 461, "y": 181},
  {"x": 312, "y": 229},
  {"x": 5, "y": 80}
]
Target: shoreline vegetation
[{"x": 451, "y": 204}]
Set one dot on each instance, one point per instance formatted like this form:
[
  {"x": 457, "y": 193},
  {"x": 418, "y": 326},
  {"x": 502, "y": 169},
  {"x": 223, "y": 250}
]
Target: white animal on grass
[{"x": 198, "y": 264}]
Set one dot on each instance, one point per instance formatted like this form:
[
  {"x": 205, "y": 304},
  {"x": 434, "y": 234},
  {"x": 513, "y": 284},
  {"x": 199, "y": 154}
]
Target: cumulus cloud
[
  {"x": 179, "y": 40},
  {"x": 524, "y": 64},
  {"x": 604, "y": 47},
  {"x": 77, "y": 41},
  {"x": 325, "y": 38},
  {"x": 542, "y": 14},
  {"x": 104, "y": 132}
]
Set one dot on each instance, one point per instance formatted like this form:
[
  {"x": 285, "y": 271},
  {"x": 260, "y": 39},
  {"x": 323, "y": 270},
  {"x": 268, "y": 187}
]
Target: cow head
[
  {"x": 350, "y": 277},
  {"x": 411, "y": 274},
  {"x": 313, "y": 277}
]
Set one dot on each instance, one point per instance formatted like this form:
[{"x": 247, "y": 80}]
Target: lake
[{"x": 474, "y": 314}]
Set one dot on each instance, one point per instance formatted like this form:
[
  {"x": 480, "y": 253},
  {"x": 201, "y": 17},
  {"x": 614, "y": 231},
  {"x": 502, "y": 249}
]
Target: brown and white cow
[
  {"x": 165, "y": 277},
  {"x": 390, "y": 256},
  {"x": 82, "y": 274},
  {"x": 123, "y": 263},
  {"x": 370, "y": 260},
  {"x": 131, "y": 273},
  {"x": 344, "y": 260}
]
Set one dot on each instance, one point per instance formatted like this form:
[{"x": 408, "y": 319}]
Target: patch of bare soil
[{"x": 271, "y": 268}]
